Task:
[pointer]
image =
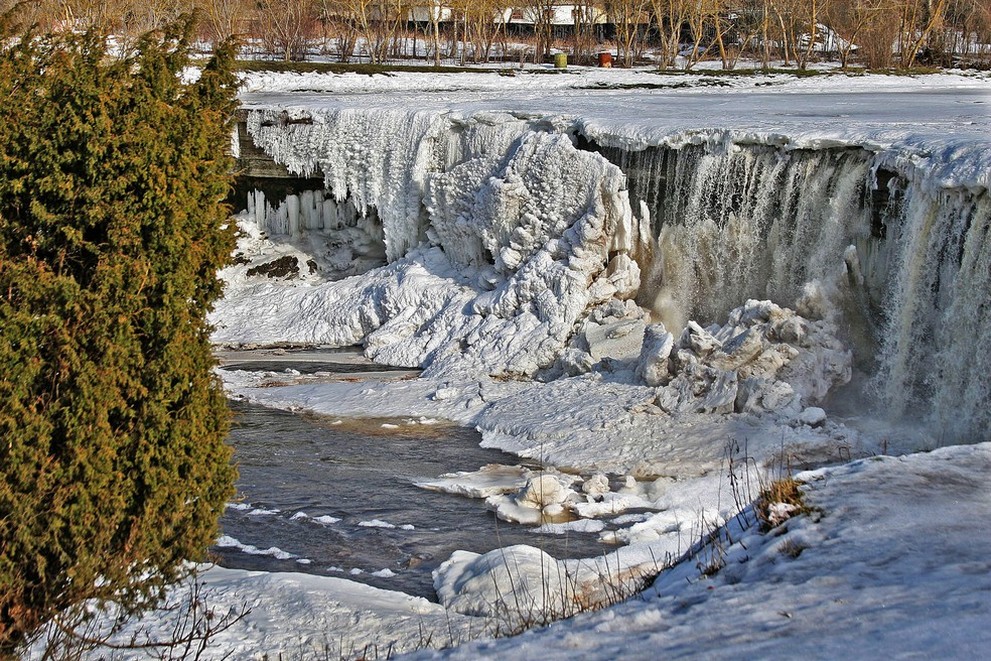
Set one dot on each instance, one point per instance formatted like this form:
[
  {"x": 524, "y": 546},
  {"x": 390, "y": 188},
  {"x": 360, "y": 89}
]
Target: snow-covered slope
[{"x": 892, "y": 563}]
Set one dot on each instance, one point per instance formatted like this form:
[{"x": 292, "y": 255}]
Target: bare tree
[
  {"x": 749, "y": 23},
  {"x": 973, "y": 19},
  {"x": 631, "y": 18},
  {"x": 224, "y": 18},
  {"x": 586, "y": 15},
  {"x": 704, "y": 20},
  {"x": 338, "y": 26},
  {"x": 436, "y": 10},
  {"x": 484, "y": 19},
  {"x": 379, "y": 22},
  {"x": 923, "y": 19},
  {"x": 669, "y": 15},
  {"x": 285, "y": 26},
  {"x": 808, "y": 15},
  {"x": 858, "y": 22},
  {"x": 362, "y": 15},
  {"x": 542, "y": 14}
]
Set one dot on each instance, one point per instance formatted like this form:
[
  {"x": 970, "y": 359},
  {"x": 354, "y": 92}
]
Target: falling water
[
  {"x": 936, "y": 337},
  {"x": 734, "y": 221},
  {"x": 744, "y": 222}
]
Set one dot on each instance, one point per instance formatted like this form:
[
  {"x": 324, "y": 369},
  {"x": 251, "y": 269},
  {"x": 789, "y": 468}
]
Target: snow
[
  {"x": 304, "y": 616},
  {"x": 891, "y": 563},
  {"x": 934, "y": 116},
  {"x": 512, "y": 254},
  {"x": 512, "y": 214}
]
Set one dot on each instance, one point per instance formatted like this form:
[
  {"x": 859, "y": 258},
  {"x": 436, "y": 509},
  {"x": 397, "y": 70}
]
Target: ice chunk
[
  {"x": 653, "y": 368},
  {"x": 812, "y": 416}
]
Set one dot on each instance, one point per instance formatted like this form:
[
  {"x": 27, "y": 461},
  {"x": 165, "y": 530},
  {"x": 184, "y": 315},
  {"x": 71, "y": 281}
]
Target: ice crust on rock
[
  {"x": 500, "y": 235},
  {"x": 370, "y": 158},
  {"x": 486, "y": 584},
  {"x": 652, "y": 367},
  {"x": 490, "y": 480},
  {"x": 544, "y": 497},
  {"x": 522, "y": 584}
]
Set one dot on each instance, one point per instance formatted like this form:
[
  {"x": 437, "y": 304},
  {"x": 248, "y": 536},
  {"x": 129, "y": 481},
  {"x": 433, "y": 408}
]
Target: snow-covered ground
[
  {"x": 493, "y": 283},
  {"x": 893, "y": 563}
]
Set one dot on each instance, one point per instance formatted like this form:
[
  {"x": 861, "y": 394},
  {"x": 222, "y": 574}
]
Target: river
[{"x": 337, "y": 496}]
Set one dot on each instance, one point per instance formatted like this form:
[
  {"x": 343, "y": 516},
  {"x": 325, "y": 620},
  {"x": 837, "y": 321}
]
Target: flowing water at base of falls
[{"x": 319, "y": 496}]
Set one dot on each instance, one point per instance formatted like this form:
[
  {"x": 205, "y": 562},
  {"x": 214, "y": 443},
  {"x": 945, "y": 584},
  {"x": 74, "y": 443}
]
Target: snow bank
[
  {"x": 293, "y": 615},
  {"x": 891, "y": 563},
  {"x": 520, "y": 586}
]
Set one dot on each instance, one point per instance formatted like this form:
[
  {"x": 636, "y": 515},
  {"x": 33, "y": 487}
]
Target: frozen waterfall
[
  {"x": 906, "y": 257},
  {"x": 734, "y": 222},
  {"x": 518, "y": 227},
  {"x": 499, "y": 235}
]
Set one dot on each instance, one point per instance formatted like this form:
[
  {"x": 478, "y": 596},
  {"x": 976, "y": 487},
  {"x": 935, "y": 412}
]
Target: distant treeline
[{"x": 878, "y": 34}]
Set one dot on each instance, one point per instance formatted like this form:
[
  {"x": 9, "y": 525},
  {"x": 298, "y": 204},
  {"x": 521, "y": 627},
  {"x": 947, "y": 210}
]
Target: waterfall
[
  {"x": 734, "y": 221},
  {"x": 936, "y": 336},
  {"x": 889, "y": 241},
  {"x": 739, "y": 222}
]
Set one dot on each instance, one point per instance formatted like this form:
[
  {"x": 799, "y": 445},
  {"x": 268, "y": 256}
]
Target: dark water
[{"x": 357, "y": 472}]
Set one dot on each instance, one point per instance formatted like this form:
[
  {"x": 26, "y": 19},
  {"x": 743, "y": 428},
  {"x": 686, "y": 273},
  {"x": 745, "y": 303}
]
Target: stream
[{"x": 334, "y": 496}]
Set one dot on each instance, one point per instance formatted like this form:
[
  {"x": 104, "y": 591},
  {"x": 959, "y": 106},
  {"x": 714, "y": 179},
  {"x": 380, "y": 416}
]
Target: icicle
[
  {"x": 261, "y": 209},
  {"x": 292, "y": 215}
]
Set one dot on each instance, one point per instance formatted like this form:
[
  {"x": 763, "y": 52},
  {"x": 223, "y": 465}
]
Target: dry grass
[{"x": 779, "y": 501}]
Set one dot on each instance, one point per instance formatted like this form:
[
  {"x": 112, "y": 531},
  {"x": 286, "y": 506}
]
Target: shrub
[
  {"x": 779, "y": 501},
  {"x": 113, "y": 172}
]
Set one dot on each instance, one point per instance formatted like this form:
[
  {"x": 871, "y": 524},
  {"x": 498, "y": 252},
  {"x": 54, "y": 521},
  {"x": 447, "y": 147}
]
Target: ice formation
[
  {"x": 520, "y": 586},
  {"x": 341, "y": 241},
  {"x": 893, "y": 241},
  {"x": 514, "y": 582},
  {"x": 500, "y": 234},
  {"x": 511, "y": 247},
  {"x": 765, "y": 358}
]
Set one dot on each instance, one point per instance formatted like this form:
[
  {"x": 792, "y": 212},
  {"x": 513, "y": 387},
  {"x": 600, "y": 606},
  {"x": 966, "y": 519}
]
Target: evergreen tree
[{"x": 113, "y": 172}]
